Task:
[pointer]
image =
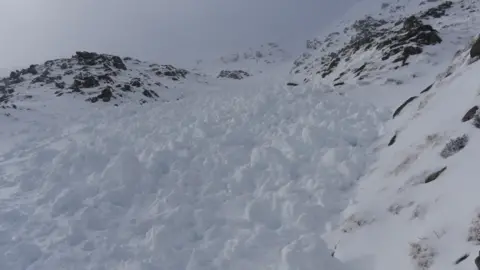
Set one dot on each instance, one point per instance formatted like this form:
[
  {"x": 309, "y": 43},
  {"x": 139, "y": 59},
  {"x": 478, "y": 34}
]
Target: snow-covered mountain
[
  {"x": 358, "y": 154},
  {"x": 252, "y": 61},
  {"x": 94, "y": 78}
]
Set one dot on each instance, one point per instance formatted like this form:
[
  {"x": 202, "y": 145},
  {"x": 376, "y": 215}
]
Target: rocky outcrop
[
  {"x": 170, "y": 71},
  {"x": 395, "y": 41},
  {"x": 233, "y": 74},
  {"x": 93, "y": 77},
  {"x": 92, "y": 58},
  {"x": 475, "y": 50}
]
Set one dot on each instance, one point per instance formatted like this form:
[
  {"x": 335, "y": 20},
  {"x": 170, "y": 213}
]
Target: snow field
[
  {"x": 231, "y": 179},
  {"x": 395, "y": 211}
]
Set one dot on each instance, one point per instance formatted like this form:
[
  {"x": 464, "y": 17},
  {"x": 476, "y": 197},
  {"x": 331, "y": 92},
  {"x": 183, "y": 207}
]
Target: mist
[{"x": 176, "y": 32}]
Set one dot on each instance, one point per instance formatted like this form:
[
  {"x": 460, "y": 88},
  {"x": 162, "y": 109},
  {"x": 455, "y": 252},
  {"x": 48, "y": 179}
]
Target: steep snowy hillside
[
  {"x": 94, "y": 78},
  {"x": 362, "y": 156},
  {"x": 393, "y": 45},
  {"x": 233, "y": 175},
  {"x": 252, "y": 61},
  {"x": 417, "y": 207}
]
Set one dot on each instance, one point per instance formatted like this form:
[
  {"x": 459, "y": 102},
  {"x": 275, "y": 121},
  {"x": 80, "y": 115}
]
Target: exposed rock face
[
  {"x": 475, "y": 50},
  {"x": 91, "y": 59},
  {"x": 170, "y": 71},
  {"x": 95, "y": 77},
  {"x": 438, "y": 11},
  {"x": 233, "y": 74},
  {"x": 396, "y": 41},
  {"x": 85, "y": 80}
]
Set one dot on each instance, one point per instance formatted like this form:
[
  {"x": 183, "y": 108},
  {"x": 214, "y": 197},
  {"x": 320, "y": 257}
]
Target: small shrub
[
  {"x": 419, "y": 212},
  {"x": 432, "y": 177},
  {"x": 427, "y": 89},
  {"x": 422, "y": 254},
  {"x": 354, "y": 222},
  {"x": 476, "y": 121},
  {"x": 401, "y": 107},
  {"x": 454, "y": 146},
  {"x": 461, "y": 259},
  {"x": 470, "y": 114},
  {"x": 392, "y": 140},
  {"x": 474, "y": 230}
]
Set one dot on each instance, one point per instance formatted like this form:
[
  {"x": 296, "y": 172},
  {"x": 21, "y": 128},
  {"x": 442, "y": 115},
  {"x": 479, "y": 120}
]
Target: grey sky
[{"x": 173, "y": 31}]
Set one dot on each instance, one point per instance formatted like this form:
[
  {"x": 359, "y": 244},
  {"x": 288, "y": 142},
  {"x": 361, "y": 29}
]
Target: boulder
[
  {"x": 475, "y": 50},
  {"x": 233, "y": 74}
]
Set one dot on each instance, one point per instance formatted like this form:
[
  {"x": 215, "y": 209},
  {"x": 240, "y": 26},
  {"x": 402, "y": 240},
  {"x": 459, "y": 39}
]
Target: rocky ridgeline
[
  {"x": 395, "y": 41},
  {"x": 268, "y": 53},
  {"x": 95, "y": 77},
  {"x": 233, "y": 74}
]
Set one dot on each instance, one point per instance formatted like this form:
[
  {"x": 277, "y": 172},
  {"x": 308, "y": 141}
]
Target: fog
[{"x": 173, "y": 31}]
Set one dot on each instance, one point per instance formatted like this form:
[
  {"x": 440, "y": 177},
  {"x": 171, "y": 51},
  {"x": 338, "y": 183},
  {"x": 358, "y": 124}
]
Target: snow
[
  {"x": 237, "y": 175},
  {"x": 252, "y": 173},
  {"x": 397, "y": 218}
]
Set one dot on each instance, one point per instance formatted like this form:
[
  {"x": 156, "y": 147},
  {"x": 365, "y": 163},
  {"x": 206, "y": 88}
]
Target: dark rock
[
  {"x": 118, "y": 63},
  {"x": 470, "y": 114},
  {"x": 477, "y": 261},
  {"x": 15, "y": 77},
  {"x": 454, "y": 146},
  {"x": 407, "y": 52},
  {"x": 49, "y": 80},
  {"x": 435, "y": 175},
  {"x": 476, "y": 121},
  {"x": 475, "y": 50},
  {"x": 292, "y": 84},
  {"x": 60, "y": 85},
  {"x": 86, "y": 55},
  {"x": 68, "y": 72},
  {"x": 136, "y": 82},
  {"x": 64, "y": 66},
  {"x": 172, "y": 72},
  {"x": 233, "y": 74},
  {"x": 427, "y": 89},
  {"x": 49, "y": 63},
  {"x": 150, "y": 93},
  {"x": 461, "y": 259},
  {"x": 438, "y": 11},
  {"x": 126, "y": 88},
  {"x": 338, "y": 84},
  {"x": 85, "y": 80},
  {"x": 107, "y": 68},
  {"x": 45, "y": 78},
  {"x": 105, "y": 78},
  {"x": 87, "y": 58},
  {"x": 359, "y": 70},
  {"x": 392, "y": 140},
  {"x": 106, "y": 94},
  {"x": 401, "y": 107},
  {"x": 411, "y": 23},
  {"x": 31, "y": 70}
]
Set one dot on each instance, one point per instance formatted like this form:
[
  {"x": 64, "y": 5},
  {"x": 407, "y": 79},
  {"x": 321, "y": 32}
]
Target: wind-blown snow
[{"x": 234, "y": 176}]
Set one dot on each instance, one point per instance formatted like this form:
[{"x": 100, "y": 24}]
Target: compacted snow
[
  {"x": 254, "y": 174},
  {"x": 237, "y": 175}
]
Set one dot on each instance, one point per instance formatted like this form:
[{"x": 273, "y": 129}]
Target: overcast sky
[{"x": 173, "y": 31}]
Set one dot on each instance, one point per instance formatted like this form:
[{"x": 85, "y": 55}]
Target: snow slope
[
  {"x": 215, "y": 173},
  {"x": 417, "y": 207},
  {"x": 232, "y": 176},
  {"x": 253, "y": 60},
  {"x": 417, "y": 221}
]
